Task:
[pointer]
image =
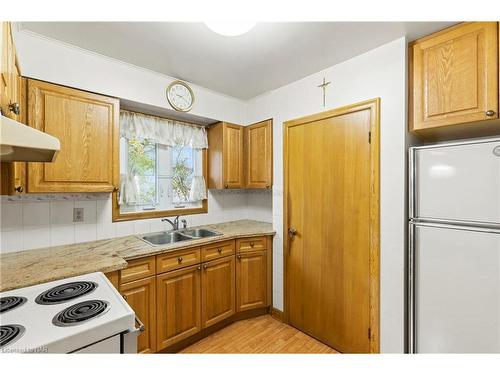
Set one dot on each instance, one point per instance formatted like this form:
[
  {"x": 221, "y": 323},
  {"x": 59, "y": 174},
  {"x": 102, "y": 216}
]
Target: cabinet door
[
  {"x": 178, "y": 296},
  {"x": 251, "y": 280},
  {"x": 218, "y": 291},
  {"x": 86, "y": 125},
  {"x": 259, "y": 155},
  {"x": 455, "y": 76},
  {"x": 233, "y": 156},
  {"x": 140, "y": 295}
]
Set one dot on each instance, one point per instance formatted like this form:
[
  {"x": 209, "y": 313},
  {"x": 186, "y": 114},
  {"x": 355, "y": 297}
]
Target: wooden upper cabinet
[
  {"x": 86, "y": 125},
  {"x": 218, "y": 291},
  {"x": 12, "y": 95},
  {"x": 251, "y": 280},
  {"x": 178, "y": 297},
  {"x": 259, "y": 155},
  {"x": 225, "y": 156},
  {"x": 140, "y": 295},
  {"x": 454, "y": 76}
]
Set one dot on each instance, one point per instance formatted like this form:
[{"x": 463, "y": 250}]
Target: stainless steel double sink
[{"x": 169, "y": 237}]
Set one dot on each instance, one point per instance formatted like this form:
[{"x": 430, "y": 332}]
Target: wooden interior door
[
  {"x": 86, "y": 125},
  {"x": 178, "y": 303},
  {"x": 251, "y": 280},
  {"x": 328, "y": 188},
  {"x": 140, "y": 295},
  {"x": 259, "y": 155},
  {"x": 233, "y": 156},
  {"x": 455, "y": 76},
  {"x": 218, "y": 291}
]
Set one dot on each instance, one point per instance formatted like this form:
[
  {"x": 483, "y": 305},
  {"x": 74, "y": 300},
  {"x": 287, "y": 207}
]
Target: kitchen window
[{"x": 162, "y": 168}]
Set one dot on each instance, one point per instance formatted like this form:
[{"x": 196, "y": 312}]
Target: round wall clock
[{"x": 180, "y": 96}]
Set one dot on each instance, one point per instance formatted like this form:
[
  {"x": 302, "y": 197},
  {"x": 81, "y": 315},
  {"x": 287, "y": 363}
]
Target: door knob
[
  {"x": 292, "y": 232},
  {"x": 489, "y": 113}
]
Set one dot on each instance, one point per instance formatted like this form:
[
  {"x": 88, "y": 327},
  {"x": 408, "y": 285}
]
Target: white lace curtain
[
  {"x": 166, "y": 132},
  {"x": 163, "y": 131}
]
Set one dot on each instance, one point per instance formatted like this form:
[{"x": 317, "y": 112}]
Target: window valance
[{"x": 163, "y": 131}]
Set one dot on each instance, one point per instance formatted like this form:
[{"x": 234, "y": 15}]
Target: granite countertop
[{"x": 31, "y": 267}]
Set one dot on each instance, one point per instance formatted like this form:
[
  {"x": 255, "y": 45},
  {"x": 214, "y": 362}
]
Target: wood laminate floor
[{"x": 263, "y": 334}]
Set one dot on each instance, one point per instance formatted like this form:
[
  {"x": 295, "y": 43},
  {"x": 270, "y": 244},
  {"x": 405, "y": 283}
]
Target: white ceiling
[{"x": 269, "y": 56}]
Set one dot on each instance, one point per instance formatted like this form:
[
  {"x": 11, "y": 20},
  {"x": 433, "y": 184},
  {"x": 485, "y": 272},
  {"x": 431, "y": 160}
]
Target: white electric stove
[{"x": 80, "y": 314}]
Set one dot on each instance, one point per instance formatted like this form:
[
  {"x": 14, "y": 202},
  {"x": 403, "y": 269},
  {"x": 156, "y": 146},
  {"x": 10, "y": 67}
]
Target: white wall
[
  {"x": 377, "y": 73},
  {"x": 53, "y": 61}
]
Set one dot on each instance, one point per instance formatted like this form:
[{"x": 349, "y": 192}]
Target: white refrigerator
[{"x": 454, "y": 248}]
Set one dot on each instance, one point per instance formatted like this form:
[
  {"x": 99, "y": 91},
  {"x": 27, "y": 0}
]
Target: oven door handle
[{"x": 142, "y": 327}]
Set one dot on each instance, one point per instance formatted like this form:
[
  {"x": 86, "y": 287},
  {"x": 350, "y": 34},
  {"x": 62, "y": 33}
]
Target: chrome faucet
[{"x": 175, "y": 222}]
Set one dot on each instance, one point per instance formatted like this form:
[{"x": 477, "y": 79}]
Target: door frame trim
[{"x": 374, "y": 268}]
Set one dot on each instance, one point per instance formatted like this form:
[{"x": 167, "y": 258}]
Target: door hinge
[
  {"x": 369, "y": 333},
  {"x": 369, "y": 137}
]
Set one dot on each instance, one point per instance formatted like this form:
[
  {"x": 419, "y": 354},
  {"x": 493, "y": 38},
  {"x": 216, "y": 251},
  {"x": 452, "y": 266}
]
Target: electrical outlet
[{"x": 77, "y": 215}]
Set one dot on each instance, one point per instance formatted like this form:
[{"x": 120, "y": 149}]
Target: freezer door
[
  {"x": 459, "y": 182},
  {"x": 457, "y": 291}
]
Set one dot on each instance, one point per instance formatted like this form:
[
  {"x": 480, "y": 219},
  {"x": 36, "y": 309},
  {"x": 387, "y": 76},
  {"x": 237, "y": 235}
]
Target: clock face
[{"x": 180, "y": 96}]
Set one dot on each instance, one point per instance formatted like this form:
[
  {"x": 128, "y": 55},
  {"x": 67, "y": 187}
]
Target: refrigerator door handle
[{"x": 447, "y": 224}]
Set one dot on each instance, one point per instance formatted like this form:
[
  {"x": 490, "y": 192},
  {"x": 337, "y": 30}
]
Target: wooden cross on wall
[{"x": 323, "y": 86}]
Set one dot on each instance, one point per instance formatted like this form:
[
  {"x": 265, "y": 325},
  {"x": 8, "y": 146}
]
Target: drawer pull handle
[
  {"x": 489, "y": 113},
  {"x": 219, "y": 250},
  {"x": 179, "y": 260}
]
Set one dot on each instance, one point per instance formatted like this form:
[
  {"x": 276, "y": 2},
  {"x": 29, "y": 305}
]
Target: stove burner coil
[
  {"x": 80, "y": 313},
  {"x": 11, "y": 302},
  {"x": 10, "y": 333},
  {"x": 65, "y": 292}
]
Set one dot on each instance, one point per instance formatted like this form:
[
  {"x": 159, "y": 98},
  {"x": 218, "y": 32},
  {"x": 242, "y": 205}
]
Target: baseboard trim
[{"x": 277, "y": 314}]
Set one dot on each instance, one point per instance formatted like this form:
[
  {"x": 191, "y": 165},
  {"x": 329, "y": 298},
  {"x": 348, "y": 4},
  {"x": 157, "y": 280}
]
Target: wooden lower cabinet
[
  {"x": 218, "y": 291},
  {"x": 251, "y": 280},
  {"x": 178, "y": 308},
  {"x": 140, "y": 295}
]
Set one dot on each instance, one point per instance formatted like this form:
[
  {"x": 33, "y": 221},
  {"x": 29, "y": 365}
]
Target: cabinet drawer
[
  {"x": 217, "y": 250},
  {"x": 178, "y": 259},
  {"x": 138, "y": 269},
  {"x": 251, "y": 244}
]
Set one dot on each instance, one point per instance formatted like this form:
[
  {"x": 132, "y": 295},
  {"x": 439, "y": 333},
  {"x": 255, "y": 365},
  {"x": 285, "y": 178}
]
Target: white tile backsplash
[
  {"x": 36, "y": 237},
  {"x": 35, "y": 221},
  {"x": 35, "y": 214},
  {"x": 85, "y": 232},
  {"x": 61, "y": 212},
  {"x": 62, "y": 235},
  {"x": 12, "y": 215}
]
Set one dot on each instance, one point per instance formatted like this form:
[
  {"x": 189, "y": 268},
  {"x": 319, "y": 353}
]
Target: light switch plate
[{"x": 77, "y": 215}]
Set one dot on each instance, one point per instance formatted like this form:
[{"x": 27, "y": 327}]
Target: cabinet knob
[
  {"x": 205, "y": 266},
  {"x": 19, "y": 189},
  {"x": 252, "y": 244},
  {"x": 15, "y": 108},
  {"x": 226, "y": 186},
  {"x": 198, "y": 268},
  {"x": 115, "y": 189},
  {"x": 219, "y": 251},
  {"x": 179, "y": 259},
  {"x": 239, "y": 257},
  {"x": 489, "y": 113},
  {"x": 124, "y": 296},
  {"x": 267, "y": 186}
]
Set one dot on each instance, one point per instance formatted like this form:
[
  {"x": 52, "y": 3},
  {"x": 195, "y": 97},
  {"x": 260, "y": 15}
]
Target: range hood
[{"x": 19, "y": 142}]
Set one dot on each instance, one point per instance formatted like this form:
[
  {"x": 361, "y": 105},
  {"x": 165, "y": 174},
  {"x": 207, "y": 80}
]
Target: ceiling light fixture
[{"x": 230, "y": 28}]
